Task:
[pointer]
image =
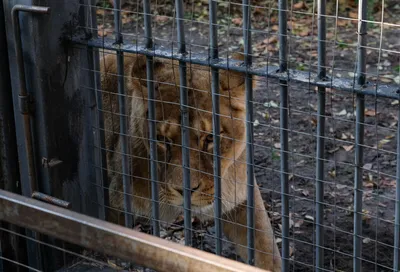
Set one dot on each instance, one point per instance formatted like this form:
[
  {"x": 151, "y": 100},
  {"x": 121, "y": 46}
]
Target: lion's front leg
[{"x": 267, "y": 254}]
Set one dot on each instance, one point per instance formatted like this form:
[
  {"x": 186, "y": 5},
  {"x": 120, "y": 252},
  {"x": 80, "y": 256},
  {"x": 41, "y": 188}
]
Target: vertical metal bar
[
  {"x": 96, "y": 98},
  {"x": 216, "y": 126},
  {"x": 152, "y": 121},
  {"x": 396, "y": 257},
  {"x": 185, "y": 124},
  {"x": 284, "y": 112},
  {"x": 319, "y": 253},
  {"x": 359, "y": 140},
  {"x": 249, "y": 133},
  {"x": 123, "y": 118}
]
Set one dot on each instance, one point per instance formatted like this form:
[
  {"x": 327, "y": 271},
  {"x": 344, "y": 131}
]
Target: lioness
[{"x": 170, "y": 174}]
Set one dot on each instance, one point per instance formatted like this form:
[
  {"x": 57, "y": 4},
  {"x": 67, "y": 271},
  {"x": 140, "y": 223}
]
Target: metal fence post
[
  {"x": 359, "y": 138},
  {"x": 320, "y": 137},
  {"x": 284, "y": 112}
]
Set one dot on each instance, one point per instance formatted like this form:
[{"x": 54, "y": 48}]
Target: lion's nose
[{"x": 180, "y": 190}]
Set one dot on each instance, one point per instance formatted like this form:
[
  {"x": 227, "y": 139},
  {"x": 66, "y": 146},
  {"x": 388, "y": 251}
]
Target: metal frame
[
  {"x": 360, "y": 87},
  {"x": 146, "y": 250}
]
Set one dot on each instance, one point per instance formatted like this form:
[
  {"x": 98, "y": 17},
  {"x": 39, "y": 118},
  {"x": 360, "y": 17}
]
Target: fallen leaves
[
  {"x": 161, "y": 19},
  {"x": 270, "y": 40}
]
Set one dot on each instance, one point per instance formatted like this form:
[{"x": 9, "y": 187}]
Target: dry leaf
[
  {"x": 370, "y": 185},
  {"x": 370, "y": 112},
  {"x": 272, "y": 39},
  {"x": 275, "y": 28},
  {"x": 100, "y": 12},
  {"x": 353, "y": 15},
  {"x": 126, "y": 20},
  {"x": 305, "y": 192},
  {"x": 314, "y": 121},
  {"x": 300, "y": 5},
  {"x": 277, "y": 145},
  {"x": 366, "y": 240},
  {"x": 382, "y": 205},
  {"x": 161, "y": 19},
  {"x": 382, "y": 142},
  {"x": 341, "y": 186},
  {"x": 341, "y": 22},
  {"x": 367, "y": 166},
  {"x": 332, "y": 173},
  {"x": 298, "y": 223},
  {"x": 237, "y": 21},
  {"x": 309, "y": 217},
  {"x": 304, "y": 32},
  {"x": 348, "y": 147}
]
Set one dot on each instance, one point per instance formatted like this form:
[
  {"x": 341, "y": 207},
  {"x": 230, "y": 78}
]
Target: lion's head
[{"x": 169, "y": 134}]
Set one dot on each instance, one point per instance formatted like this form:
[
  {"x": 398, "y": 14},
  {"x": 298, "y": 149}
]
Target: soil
[{"x": 381, "y": 116}]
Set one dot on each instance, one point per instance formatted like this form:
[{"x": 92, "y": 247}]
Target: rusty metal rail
[{"x": 143, "y": 249}]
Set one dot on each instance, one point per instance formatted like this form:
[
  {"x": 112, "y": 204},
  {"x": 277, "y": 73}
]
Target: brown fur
[{"x": 170, "y": 174}]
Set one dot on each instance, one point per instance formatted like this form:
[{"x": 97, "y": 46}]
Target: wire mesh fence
[{"x": 262, "y": 131}]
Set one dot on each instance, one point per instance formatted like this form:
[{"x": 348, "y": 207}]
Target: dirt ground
[{"x": 381, "y": 116}]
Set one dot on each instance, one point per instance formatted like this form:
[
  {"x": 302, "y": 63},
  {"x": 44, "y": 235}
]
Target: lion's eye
[{"x": 209, "y": 138}]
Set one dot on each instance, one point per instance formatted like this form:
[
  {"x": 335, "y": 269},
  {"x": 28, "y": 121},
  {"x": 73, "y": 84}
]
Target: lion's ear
[
  {"x": 231, "y": 79},
  {"x": 138, "y": 67}
]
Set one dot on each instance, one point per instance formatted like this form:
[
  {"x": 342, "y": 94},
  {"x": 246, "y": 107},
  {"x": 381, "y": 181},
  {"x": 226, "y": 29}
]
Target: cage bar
[
  {"x": 185, "y": 124},
  {"x": 359, "y": 138},
  {"x": 100, "y": 157},
  {"x": 340, "y": 84},
  {"x": 319, "y": 218},
  {"x": 216, "y": 126},
  {"x": 284, "y": 139},
  {"x": 123, "y": 118},
  {"x": 396, "y": 255},
  {"x": 249, "y": 132},
  {"x": 155, "y": 211}
]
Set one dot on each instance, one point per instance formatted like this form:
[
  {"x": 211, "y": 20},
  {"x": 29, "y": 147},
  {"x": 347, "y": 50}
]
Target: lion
[{"x": 169, "y": 149}]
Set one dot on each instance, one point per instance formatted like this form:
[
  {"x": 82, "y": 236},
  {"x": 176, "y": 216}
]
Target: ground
[{"x": 381, "y": 116}]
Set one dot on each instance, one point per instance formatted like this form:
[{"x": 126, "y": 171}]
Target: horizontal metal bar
[
  {"x": 341, "y": 84},
  {"x": 143, "y": 249}
]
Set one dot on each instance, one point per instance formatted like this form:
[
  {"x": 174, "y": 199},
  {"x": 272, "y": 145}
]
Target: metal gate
[{"x": 52, "y": 122}]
